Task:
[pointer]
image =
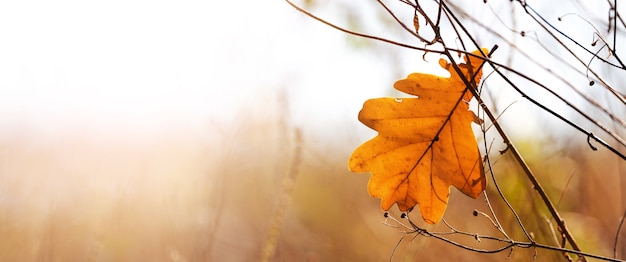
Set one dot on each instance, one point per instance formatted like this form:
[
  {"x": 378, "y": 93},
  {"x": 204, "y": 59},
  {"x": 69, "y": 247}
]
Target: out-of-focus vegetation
[{"x": 210, "y": 193}]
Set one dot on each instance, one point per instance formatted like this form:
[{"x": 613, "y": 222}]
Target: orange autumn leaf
[{"x": 424, "y": 145}]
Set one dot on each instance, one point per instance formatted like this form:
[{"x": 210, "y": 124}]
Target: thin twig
[
  {"x": 537, "y": 186},
  {"x": 360, "y": 34},
  {"x": 495, "y": 220},
  {"x": 469, "y": 83},
  {"x": 528, "y": 7},
  {"x": 619, "y": 229},
  {"x": 508, "y": 243},
  {"x": 569, "y": 179},
  {"x": 544, "y": 67},
  {"x": 494, "y": 64},
  {"x": 605, "y": 84}
]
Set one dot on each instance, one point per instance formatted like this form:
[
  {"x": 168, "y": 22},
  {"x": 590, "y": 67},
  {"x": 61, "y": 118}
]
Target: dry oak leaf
[{"x": 411, "y": 160}]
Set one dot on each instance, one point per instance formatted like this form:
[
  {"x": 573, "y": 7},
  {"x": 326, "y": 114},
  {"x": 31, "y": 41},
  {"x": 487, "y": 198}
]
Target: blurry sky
[{"x": 137, "y": 64}]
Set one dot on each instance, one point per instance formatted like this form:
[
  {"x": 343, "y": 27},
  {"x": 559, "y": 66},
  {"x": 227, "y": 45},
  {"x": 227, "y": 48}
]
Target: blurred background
[{"x": 220, "y": 131}]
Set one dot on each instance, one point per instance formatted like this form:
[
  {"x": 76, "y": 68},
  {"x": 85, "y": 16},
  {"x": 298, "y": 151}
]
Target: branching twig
[
  {"x": 544, "y": 67},
  {"x": 619, "y": 96},
  {"x": 496, "y": 66},
  {"x": 459, "y": 29},
  {"x": 537, "y": 186},
  {"x": 360, "y": 34},
  {"x": 508, "y": 243}
]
